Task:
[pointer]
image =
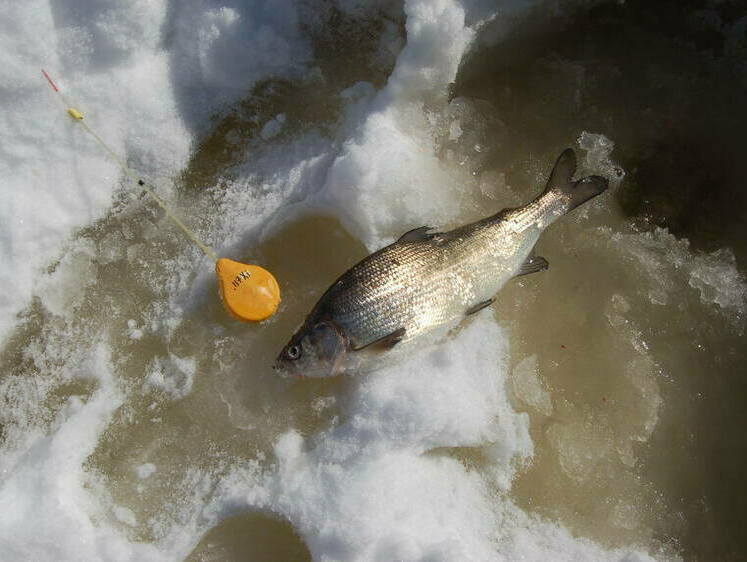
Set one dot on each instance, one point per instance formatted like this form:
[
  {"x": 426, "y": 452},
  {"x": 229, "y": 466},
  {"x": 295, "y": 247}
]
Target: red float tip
[{"x": 54, "y": 86}]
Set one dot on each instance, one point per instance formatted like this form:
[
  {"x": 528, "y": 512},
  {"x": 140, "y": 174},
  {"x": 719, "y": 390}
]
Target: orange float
[{"x": 249, "y": 292}]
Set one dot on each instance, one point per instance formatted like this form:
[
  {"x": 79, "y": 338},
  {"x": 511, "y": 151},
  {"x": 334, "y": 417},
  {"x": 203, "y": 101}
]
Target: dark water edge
[
  {"x": 667, "y": 81},
  {"x": 246, "y": 537}
]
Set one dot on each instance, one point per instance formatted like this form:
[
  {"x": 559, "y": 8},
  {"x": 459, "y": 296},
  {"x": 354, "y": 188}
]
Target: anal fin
[
  {"x": 533, "y": 264},
  {"x": 385, "y": 343},
  {"x": 479, "y": 306}
]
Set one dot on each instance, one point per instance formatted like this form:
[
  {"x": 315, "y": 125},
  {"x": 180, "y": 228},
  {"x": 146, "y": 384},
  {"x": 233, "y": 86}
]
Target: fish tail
[{"x": 562, "y": 194}]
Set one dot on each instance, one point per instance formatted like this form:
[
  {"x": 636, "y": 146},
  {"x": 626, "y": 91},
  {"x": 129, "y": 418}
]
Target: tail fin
[{"x": 575, "y": 193}]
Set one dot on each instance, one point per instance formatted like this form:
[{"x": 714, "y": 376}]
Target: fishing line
[{"x": 249, "y": 292}]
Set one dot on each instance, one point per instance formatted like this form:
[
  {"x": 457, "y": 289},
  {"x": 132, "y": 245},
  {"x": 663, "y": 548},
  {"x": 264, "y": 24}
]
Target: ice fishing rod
[{"x": 249, "y": 292}]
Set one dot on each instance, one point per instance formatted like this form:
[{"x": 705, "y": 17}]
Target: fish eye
[{"x": 293, "y": 352}]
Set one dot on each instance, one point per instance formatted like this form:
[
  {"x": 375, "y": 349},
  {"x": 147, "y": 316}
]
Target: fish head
[{"x": 317, "y": 350}]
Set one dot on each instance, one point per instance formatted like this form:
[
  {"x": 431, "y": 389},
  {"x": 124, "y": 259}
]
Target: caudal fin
[{"x": 576, "y": 192}]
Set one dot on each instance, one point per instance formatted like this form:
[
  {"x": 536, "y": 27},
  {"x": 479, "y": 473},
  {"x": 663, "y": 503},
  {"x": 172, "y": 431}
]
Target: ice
[
  {"x": 455, "y": 130},
  {"x": 421, "y": 460},
  {"x": 63, "y": 289},
  {"x": 111, "y": 248},
  {"x": 145, "y": 470},
  {"x": 172, "y": 375},
  {"x": 528, "y": 386},
  {"x": 625, "y": 516},
  {"x": 125, "y": 515},
  {"x": 665, "y": 259},
  {"x": 383, "y": 169},
  {"x": 273, "y": 127},
  {"x": 598, "y": 150},
  {"x": 640, "y": 370},
  {"x": 322, "y": 403},
  {"x": 221, "y": 51},
  {"x": 104, "y": 58},
  {"x": 718, "y": 280},
  {"x": 133, "y": 331},
  {"x": 142, "y": 96},
  {"x": 583, "y": 447},
  {"x": 46, "y": 485},
  {"x": 367, "y": 489}
]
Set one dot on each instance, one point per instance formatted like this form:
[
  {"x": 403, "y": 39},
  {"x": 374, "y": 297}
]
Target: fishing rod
[{"x": 249, "y": 292}]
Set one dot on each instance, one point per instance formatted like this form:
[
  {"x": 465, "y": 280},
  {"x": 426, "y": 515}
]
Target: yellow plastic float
[{"x": 249, "y": 293}]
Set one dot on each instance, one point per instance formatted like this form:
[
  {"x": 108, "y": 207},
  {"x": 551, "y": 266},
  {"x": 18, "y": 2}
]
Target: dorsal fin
[{"x": 417, "y": 234}]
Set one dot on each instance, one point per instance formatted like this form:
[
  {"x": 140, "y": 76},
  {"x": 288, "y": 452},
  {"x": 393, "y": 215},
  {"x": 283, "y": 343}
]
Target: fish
[{"x": 427, "y": 282}]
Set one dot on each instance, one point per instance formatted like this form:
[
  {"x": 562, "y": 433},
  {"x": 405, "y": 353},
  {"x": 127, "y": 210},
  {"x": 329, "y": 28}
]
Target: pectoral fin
[
  {"x": 532, "y": 265},
  {"x": 385, "y": 343},
  {"x": 479, "y": 306}
]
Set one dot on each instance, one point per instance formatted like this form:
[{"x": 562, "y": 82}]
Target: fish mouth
[
  {"x": 283, "y": 369},
  {"x": 287, "y": 373}
]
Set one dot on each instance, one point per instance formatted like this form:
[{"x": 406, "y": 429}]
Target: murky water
[
  {"x": 654, "y": 390},
  {"x": 627, "y": 357}
]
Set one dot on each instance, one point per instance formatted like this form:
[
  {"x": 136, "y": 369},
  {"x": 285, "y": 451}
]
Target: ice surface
[
  {"x": 56, "y": 178},
  {"x": 145, "y": 470},
  {"x": 528, "y": 386},
  {"x": 598, "y": 150},
  {"x": 367, "y": 490},
  {"x": 665, "y": 260},
  {"x": 383, "y": 168},
  {"x": 47, "y": 486},
  {"x": 273, "y": 127},
  {"x": 220, "y": 50},
  {"x": 173, "y": 375},
  {"x": 420, "y": 462},
  {"x": 62, "y": 289}
]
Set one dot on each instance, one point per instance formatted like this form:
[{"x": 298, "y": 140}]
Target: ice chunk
[
  {"x": 125, "y": 515},
  {"x": 581, "y": 447},
  {"x": 455, "y": 130},
  {"x": 133, "y": 331},
  {"x": 387, "y": 174},
  {"x": 528, "y": 387},
  {"x": 145, "y": 470},
  {"x": 273, "y": 127},
  {"x": 625, "y": 515},
  {"x": 598, "y": 150},
  {"x": 719, "y": 281},
  {"x": 666, "y": 260},
  {"x": 111, "y": 248},
  {"x": 172, "y": 375},
  {"x": 63, "y": 289}
]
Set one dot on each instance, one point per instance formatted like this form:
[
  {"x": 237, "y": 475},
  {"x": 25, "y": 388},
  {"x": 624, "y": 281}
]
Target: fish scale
[
  {"x": 425, "y": 280},
  {"x": 411, "y": 287}
]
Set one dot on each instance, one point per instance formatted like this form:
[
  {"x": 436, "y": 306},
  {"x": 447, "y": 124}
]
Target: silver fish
[{"x": 428, "y": 280}]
